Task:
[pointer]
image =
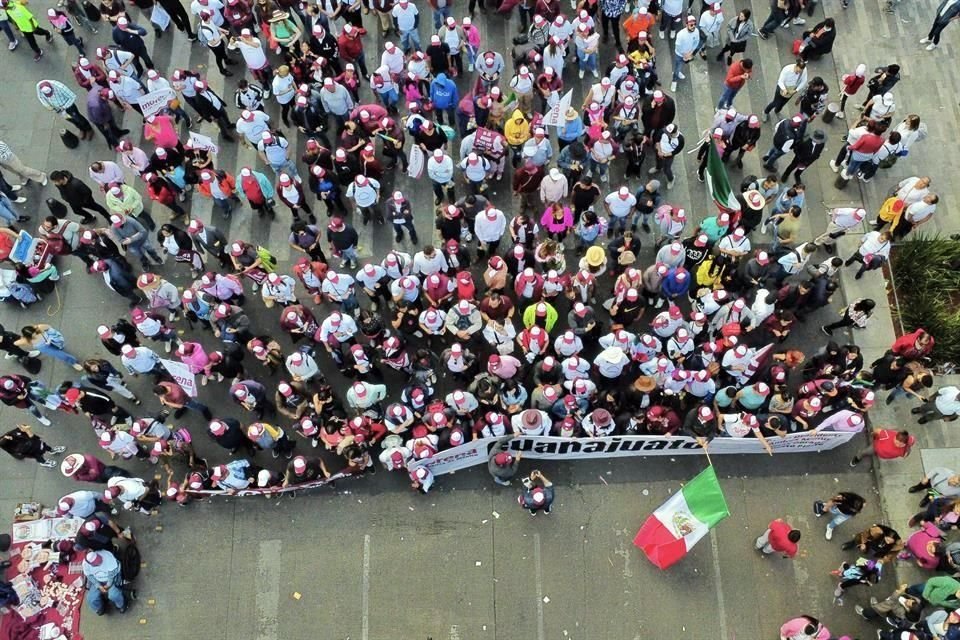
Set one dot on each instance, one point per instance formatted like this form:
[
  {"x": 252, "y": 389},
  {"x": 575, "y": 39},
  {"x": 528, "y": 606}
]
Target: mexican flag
[
  {"x": 681, "y": 521},
  {"x": 718, "y": 183}
]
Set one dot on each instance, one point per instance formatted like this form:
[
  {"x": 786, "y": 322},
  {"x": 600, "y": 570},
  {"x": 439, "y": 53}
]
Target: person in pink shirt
[
  {"x": 160, "y": 130},
  {"x": 473, "y": 41},
  {"x": 193, "y": 355},
  {"x": 557, "y": 220},
  {"x": 924, "y": 546},
  {"x": 804, "y": 628}
]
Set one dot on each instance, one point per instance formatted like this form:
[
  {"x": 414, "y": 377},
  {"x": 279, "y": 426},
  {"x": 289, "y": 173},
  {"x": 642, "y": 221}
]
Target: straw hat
[
  {"x": 596, "y": 256},
  {"x": 571, "y": 113}
]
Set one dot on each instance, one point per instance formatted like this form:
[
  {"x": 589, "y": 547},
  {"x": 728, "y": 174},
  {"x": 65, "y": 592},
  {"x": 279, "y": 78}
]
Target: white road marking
[
  {"x": 537, "y": 564},
  {"x": 365, "y": 596},
  {"x": 268, "y": 590},
  {"x": 721, "y": 605}
]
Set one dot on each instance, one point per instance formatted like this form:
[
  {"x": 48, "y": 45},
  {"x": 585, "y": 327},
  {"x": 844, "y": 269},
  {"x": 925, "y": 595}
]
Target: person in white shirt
[
  {"x": 916, "y": 215},
  {"x": 842, "y": 219},
  {"x": 793, "y": 262},
  {"x": 363, "y": 395},
  {"x": 365, "y": 193},
  {"x": 339, "y": 288},
  {"x": 873, "y": 251},
  {"x": 587, "y": 43},
  {"x": 406, "y": 18},
  {"x": 429, "y": 261},
  {"x": 255, "y": 56},
  {"x": 711, "y": 22},
  {"x": 284, "y": 87},
  {"x": 489, "y": 228},
  {"x": 522, "y": 85},
  {"x": 440, "y": 171},
  {"x": 278, "y": 289},
  {"x": 432, "y": 321},
  {"x": 686, "y": 46},
  {"x": 912, "y": 189},
  {"x": 125, "y": 89},
  {"x": 601, "y": 153},
  {"x": 475, "y": 169},
  {"x": 252, "y": 125},
  {"x": 620, "y": 205},
  {"x": 337, "y": 329},
  {"x": 792, "y": 80},
  {"x": 301, "y": 366},
  {"x": 213, "y": 6}
]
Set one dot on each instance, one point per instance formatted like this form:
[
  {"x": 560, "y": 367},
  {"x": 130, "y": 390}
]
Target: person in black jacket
[
  {"x": 21, "y": 443},
  {"x": 119, "y": 277},
  {"x": 129, "y": 37},
  {"x": 324, "y": 44},
  {"x": 307, "y": 118},
  {"x": 212, "y": 108},
  {"x": 78, "y": 195},
  {"x": 178, "y": 17},
  {"x": 745, "y": 137},
  {"x": 228, "y": 433},
  {"x": 788, "y": 132},
  {"x": 97, "y": 245},
  {"x": 209, "y": 240},
  {"x": 884, "y": 80},
  {"x": 657, "y": 112},
  {"x": 805, "y": 153}
]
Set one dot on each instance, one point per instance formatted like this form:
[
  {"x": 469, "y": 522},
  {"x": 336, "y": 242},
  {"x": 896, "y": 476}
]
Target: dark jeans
[
  {"x": 75, "y": 118},
  {"x": 936, "y": 30},
  {"x": 777, "y": 16},
  {"x": 32, "y": 40},
  {"x": 80, "y": 208},
  {"x": 398, "y": 228},
  {"x": 611, "y": 23},
  {"x": 777, "y": 103}
]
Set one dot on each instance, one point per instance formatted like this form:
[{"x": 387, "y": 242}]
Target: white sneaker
[
  {"x": 13, "y": 45},
  {"x": 9, "y": 356},
  {"x": 58, "y": 450},
  {"x": 48, "y": 464},
  {"x": 44, "y": 181},
  {"x": 829, "y": 534},
  {"x": 840, "y": 115},
  {"x": 606, "y": 177},
  {"x": 34, "y": 353},
  {"x": 673, "y": 86},
  {"x": 595, "y": 74},
  {"x": 924, "y": 40},
  {"x": 661, "y": 35},
  {"x": 799, "y": 21},
  {"x": 580, "y": 74},
  {"x": 470, "y": 68},
  {"x": 167, "y": 346},
  {"x": 44, "y": 421},
  {"x": 931, "y": 47},
  {"x": 16, "y": 187},
  {"x": 681, "y": 75},
  {"x": 834, "y": 166}
]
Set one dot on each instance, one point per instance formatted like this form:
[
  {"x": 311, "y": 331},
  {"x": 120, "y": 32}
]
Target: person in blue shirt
[
  {"x": 572, "y": 128},
  {"x": 101, "y": 572},
  {"x": 445, "y": 97},
  {"x": 675, "y": 284}
]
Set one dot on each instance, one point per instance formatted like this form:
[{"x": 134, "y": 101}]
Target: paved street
[{"x": 371, "y": 559}]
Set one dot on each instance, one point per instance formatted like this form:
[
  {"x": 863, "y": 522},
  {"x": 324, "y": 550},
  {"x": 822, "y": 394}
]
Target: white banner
[
  {"x": 553, "y": 448},
  {"x": 415, "y": 162},
  {"x": 557, "y": 114},
  {"x": 154, "y": 101},
  {"x": 181, "y": 375},
  {"x": 200, "y": 141}
]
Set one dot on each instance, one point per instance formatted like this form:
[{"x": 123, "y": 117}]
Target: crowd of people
[{"x": 492, "y": 324}]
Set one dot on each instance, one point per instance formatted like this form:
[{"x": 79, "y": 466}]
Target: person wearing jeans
[
  {"x": 101, "y": 571},
  {"x": 842, "y": 507},
  {"x": 48, "y": 341},
  {"x": 686, "y": 46}
]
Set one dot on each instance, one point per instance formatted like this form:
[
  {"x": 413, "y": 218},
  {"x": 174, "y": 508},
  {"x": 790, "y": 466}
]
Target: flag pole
[{"x": 707, "y": 453}]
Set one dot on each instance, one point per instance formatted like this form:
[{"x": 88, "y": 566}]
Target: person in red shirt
[
  {"x": 737, "y": 75},
  {"x": 779, "y": 537},
  {"x": 351, "y": 47},
  {"x": 887, "y": 444},
  {"x": 862, "y": 151},
  {"x": 914, "y": 346}
]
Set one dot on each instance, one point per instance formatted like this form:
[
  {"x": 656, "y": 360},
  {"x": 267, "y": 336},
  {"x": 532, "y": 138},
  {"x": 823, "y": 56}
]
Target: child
[{"x": 863, "y": 571}]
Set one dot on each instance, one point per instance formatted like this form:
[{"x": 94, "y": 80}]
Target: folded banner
[{"x": 683, "y": 520}]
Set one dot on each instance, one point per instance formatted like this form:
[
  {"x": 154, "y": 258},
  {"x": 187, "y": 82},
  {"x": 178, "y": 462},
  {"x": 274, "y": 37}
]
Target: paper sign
[
  {"x": 181, "y": 375},
  {"x": 154, "y": 101},
  {"x": 555, "y": 117},
  {"x": 200, "y": 141}
]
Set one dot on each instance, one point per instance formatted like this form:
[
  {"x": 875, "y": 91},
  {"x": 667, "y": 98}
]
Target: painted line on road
[
  {"x": 721, "y": 605},
  {"x": 365, "y": 596},
  {"x": 539, "y": 570},
  {"x": 268, "y": 590}
]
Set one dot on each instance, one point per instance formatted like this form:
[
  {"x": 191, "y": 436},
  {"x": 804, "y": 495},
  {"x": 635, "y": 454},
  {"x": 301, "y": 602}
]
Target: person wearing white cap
[
  {"x": 128, "y": 233},
  {"x": 56, "y": 97},
  {"x": 274, "y": 150},
  {"x": 336, "y": 101},
  {"x": 365, "y": 395},
  {"x": 365, "y": 193},
  {"x": 129, "y": 37},
  {"x": 251, "y": 125},
  {"x": 601, "y": 153},
  {"x": 255, "y": 57},
  {"x": 406, "y": 20},
  {"x": 302, "y": 366},
  {"x": 522, "y": 86},
  {"x": 668, "y": 143},
  {"x": 440, "y": 170},
  {"x": 685, "y": 48},
  {"x": 538, "y": 149},
  {"x": 710, "y": 23},
  {"x": 538, "y": 493},
  {"x": 587, "y": 43},
  {"x": 103, "y": 578}
]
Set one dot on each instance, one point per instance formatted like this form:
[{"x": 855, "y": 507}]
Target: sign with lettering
[
  {"x": 181, "y": 375},
  {"x": 151, "y": 103},
  {"x": 200, "y": 141},
  {"x": 554, "y": 448}
]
